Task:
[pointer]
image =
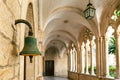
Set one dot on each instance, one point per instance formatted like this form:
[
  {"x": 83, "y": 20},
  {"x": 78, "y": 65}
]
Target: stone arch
[
  {"x": 106, "y": 15},
  {"x": 30, "y": 17},
  {"x": 68, "y": 35},
  {"x": 51, "y": 50},
  {"x": 118, "y": 29},
  {"x": 108, "y": 28}
]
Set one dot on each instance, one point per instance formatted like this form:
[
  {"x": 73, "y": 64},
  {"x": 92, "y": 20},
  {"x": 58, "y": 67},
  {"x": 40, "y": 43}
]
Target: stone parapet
[{"x": 77, "y": 76}]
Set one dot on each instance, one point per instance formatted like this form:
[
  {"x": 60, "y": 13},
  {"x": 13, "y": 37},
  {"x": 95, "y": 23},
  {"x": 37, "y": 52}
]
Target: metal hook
[{"x": 27, "y": 23}]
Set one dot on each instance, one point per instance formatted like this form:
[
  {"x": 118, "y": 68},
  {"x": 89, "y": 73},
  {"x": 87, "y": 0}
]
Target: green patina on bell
[{"x": 30, "y": 47}]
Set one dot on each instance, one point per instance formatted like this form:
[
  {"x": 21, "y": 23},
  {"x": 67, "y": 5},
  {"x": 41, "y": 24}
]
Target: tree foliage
[
  {"x": 116, "y": 14},
  {"x": 112, "y": 46}
]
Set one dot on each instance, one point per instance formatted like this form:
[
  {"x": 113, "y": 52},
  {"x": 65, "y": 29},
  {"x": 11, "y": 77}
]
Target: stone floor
[{"x": 54, "y": 78}]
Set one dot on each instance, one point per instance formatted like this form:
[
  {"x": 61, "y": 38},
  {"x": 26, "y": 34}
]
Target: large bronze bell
[
  {"x": 30, "y": 43},
  {"x": 30, "y": 47}
]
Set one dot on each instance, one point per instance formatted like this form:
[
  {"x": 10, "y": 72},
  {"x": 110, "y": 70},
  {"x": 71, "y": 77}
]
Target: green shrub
[
  {"x": 89, "y": 69},
  {"x": 112, "y": 70}
]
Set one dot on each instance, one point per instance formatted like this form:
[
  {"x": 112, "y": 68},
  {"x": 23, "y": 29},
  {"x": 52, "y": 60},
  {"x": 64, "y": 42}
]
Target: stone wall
[
  {"x": 12, "y": 39},
  {"x": 60, "y": 63},
  {"x": 61, "y": 66},
  {"x": 9, "y": 62}
]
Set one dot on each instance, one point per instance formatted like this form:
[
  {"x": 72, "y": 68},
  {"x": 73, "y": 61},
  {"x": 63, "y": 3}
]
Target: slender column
[
  {"x": 86, "y": 52},
  {"x": 107, "y": 63},
  {"x": 78, "y": 59},
  {"x": 101, "y": 45},
  {"x": 105, "y": 56},
  {"x": 98, "y": 56},
  {"x": 74, "y": 55},
  {"x": 102, "y": 56},
  {"x": 83, "y": 58},
  {"x": 92, "y": 56},
  {"x": 71, "y": 60},
  {"x": 75, "y": 60},
  {"x": 117, "y": 35}
]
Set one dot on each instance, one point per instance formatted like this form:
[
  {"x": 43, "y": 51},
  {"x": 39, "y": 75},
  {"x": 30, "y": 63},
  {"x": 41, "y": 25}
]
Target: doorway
[{"x": 49, "y": 67}]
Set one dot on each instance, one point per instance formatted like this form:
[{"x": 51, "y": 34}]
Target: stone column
[
  {"x": 78, "y": 59},
  {"x": 105, "y": 56},
  {"x": 71, "y": 61},
  {"x": 86, "y": 58},
  {"x": 83, "y": 58},
  {"x": 75, "y": 60},
  {"x": 92, "y": 56},
  {"x": 117, "y": 36},
  {"x": 98, "y": 56},
  {"x": 102, "y": 56}
]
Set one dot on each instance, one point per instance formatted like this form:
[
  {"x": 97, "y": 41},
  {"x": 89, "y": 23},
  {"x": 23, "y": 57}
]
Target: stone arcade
[{"x": 71, "y": 45}]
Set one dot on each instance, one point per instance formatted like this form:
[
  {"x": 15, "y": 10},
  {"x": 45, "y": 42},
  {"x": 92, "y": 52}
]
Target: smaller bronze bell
[{"x": 30, "y": 47}]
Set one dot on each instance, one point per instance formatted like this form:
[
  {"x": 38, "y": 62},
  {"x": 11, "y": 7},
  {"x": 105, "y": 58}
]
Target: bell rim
[{"x": 28, "y": 53}]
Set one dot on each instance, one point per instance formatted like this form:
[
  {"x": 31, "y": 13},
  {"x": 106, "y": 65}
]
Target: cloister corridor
[{"x": 66, "y": 39}]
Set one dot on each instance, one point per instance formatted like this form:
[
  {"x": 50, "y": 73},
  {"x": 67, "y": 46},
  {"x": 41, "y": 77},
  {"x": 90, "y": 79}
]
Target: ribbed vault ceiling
[{"x": 63, "y": 20}]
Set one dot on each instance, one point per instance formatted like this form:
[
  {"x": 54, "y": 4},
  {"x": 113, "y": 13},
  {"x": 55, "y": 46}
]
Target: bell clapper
[{"x": 30, "y": 58}]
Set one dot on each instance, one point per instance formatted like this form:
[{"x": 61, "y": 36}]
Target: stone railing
[
  {"x": 73, "y": 76},
  {"x": 77, "y": 76}
]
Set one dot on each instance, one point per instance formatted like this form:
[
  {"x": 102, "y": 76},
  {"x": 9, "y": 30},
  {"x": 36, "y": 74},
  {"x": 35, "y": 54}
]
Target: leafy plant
[
  {"x": 89, "y": 69},
  {"x": 116, "y": 14},
  {"x": 112, "y": 46},
  {"x": 112, "y": 71}
]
